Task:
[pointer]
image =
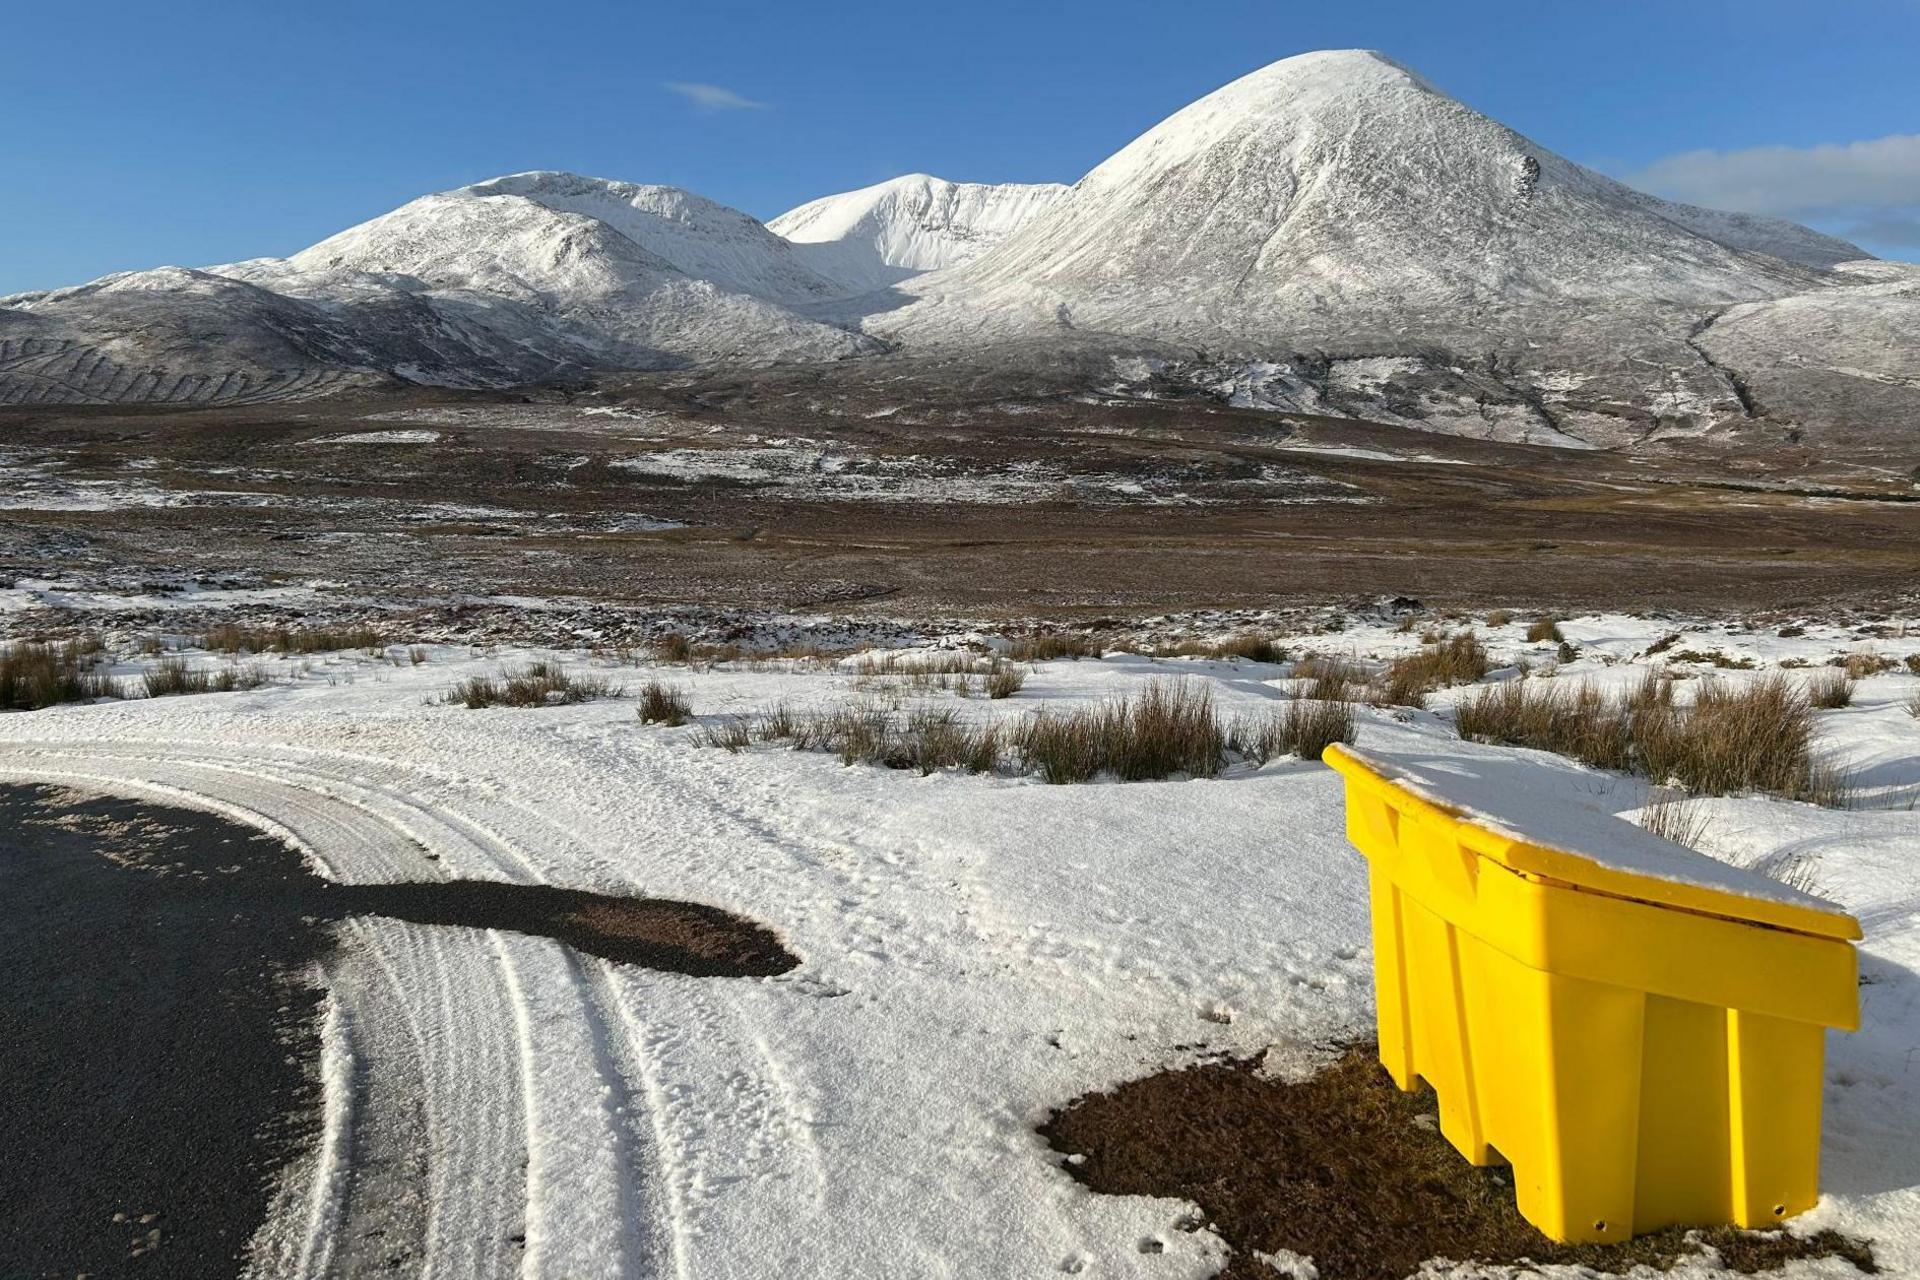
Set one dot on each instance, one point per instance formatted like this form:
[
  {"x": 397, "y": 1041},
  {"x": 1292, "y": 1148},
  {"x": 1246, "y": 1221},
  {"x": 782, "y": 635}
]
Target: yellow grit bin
[{"x": 1638, "y": 1029}]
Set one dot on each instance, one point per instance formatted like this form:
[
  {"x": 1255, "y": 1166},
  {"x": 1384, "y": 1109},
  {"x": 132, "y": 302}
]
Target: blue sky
[{"x": 206, "y": 131}]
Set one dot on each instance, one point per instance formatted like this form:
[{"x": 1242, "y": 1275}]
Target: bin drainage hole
[
  {"x": 1345, "y": 1169},
  {"x": 1600, "y": 1225},
  {"x": 1779, "y": 1210}
]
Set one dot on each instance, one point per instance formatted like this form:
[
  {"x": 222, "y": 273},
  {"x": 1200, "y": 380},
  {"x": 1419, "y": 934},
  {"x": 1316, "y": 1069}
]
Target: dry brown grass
[
  {"x": 35, "y": 674},
  {"x": 233, "y": 638},
  {"x": 1332, "y": 679},
  {"x": 538, "y": 684},
  {"x": 1169, "y": 727},
  {"x": 1250, "y": 646},
  {"x": 1456, "y": 659},
  {"x": 673, "y": 647},
  {"x": 1677, "y": 817},
  {"x": 1004, "y": 681},
  {"x": 1303, "y": 727},
  {"x": 1499, "y": 618},
  {"x": 1047, "y": 645},
  {"x": 1756, "y": 737},
  {"x": 663, "y": 704},
  {"x": 171, "y": 677},
  {"x": 869, "y": 732},
  {"x": 1831, "y": 689},
  {"x": 1542, "y": 629}
]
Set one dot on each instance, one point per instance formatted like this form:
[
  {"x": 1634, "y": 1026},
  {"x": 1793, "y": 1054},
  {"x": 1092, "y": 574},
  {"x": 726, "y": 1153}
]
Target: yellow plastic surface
[{"x": 1643, "y": 1056}]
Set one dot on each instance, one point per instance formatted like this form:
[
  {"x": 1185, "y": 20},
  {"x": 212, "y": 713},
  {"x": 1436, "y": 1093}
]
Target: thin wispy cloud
[
  {"x": 712, "y": 97},
  {"x": 1866, "y": 190}
]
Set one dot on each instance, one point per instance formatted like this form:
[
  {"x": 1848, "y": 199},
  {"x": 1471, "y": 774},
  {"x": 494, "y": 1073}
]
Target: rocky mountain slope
[{"x": 1330, "y": 234}]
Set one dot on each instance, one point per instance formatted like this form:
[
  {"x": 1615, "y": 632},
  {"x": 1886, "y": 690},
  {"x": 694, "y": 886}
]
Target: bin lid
[{"x": 1549, "y": 824}]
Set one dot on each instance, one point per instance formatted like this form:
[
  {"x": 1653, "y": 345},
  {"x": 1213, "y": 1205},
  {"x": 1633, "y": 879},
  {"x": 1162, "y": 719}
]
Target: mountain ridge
[{"x": 1329, "y": 231}]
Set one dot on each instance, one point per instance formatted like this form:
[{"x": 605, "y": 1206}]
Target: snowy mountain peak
[
  {"x": 879, "y": 235},
  {"x": 1326, "y": 197}
]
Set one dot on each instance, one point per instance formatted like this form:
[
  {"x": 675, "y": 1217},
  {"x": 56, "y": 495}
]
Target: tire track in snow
[
  {"x": 633, "y": 1151},
  {"x": 441, "y": 1010}
]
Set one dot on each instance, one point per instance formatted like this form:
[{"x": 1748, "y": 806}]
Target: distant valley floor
[{"x": 813, "y": 490}]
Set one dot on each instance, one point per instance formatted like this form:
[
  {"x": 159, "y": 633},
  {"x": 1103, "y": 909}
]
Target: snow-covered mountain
[
  {"x": 1328, "y": 234},
  {"x": 880, "y": 235},
  {"x": 1381, "y": 250},
  {"x": 528, "y": 278},
  {"x": 1335, "y": 193}
]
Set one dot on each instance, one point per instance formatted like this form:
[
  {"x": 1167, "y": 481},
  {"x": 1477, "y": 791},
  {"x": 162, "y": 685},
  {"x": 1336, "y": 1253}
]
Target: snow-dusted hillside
[
  {"x": 521, "y": 279},
  {"x": 1332, "y": 194},
  {"x": 1396, "y": 254},
  {"x": 883, "y": 234},
  {"x": 1329, "y": 234}
]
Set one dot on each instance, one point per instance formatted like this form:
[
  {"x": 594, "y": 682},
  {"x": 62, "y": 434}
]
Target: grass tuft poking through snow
[
  {"x": 174, "y": 676},
  {"x": 35, "y": 675},
  {"x": 1677, "y": 817},
  {"x": 1169, "y": 727},
  {"x": 1544, "y": 629},
  {"x": 1830, "y": 689},
  {"x": 1756, "y": 737},
  {"x": 1303, "y": 727},
  {"x": 1455, "y": 659},
  {"x": 1004, "y": 681},
  {"x": 233, "y": 638},
  {"x": 663, "y": 704},
  {"x": 1048, "y": 645},
  {"x": 538, "y": 684}
]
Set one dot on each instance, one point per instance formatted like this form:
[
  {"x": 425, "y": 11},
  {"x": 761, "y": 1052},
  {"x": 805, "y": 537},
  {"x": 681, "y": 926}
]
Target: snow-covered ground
[{"x": 975, "y": 951}]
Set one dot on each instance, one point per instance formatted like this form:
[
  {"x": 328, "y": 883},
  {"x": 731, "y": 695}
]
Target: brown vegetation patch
[{"x": 1345, "y": 1169}]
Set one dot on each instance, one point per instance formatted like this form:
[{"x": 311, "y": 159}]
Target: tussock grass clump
[
  {"x": 1574, "y": 720},
  {"x": 1831, "y": 689},
  {"x": 1499, "y": 618},
  {"x": 732, "y": 735},
  {"x": 927, "y": 739},
  {"x": 234, "y": 638},
  {"x": 171, "y": 677},
  {"x": 538, "y": 684},
  {"x": 34, "y": 674},
  {"x": 1303, "y": 727},
  {"x": 1169, "y": 727},
  {"x": 663, "y": 704},
  {"x": 1332, "y": 679},
  {"x": 1251, "y": 646},
  {"x": 940, "y": 739},
  {"x": 1756, "y": 737},
  {"x": 1543, "y": 629},
  {"x": 1913, "y": 705},
  {"x": 1004, "y": 681},
  {"x": 673, "y": 647},
  {"x": 1913, "y": 663},
  {"x": 1048, "y": 645},
  {"x": 1456, "y": 659}
]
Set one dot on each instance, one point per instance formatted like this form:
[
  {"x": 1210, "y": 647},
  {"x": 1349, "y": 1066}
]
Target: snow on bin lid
[{"x": 1539, "y": 825}]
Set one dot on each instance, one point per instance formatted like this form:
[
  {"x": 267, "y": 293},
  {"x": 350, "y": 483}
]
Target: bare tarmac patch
[
  {"x": 1345, "y": 1170},
  {"x": 156, "y": 1072}
]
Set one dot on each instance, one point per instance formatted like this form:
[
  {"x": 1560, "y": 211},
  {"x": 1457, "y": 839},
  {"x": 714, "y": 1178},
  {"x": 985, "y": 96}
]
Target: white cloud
[
  {"x": 1866, "y": 191},
  {"x": 711, "y": 97}
]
